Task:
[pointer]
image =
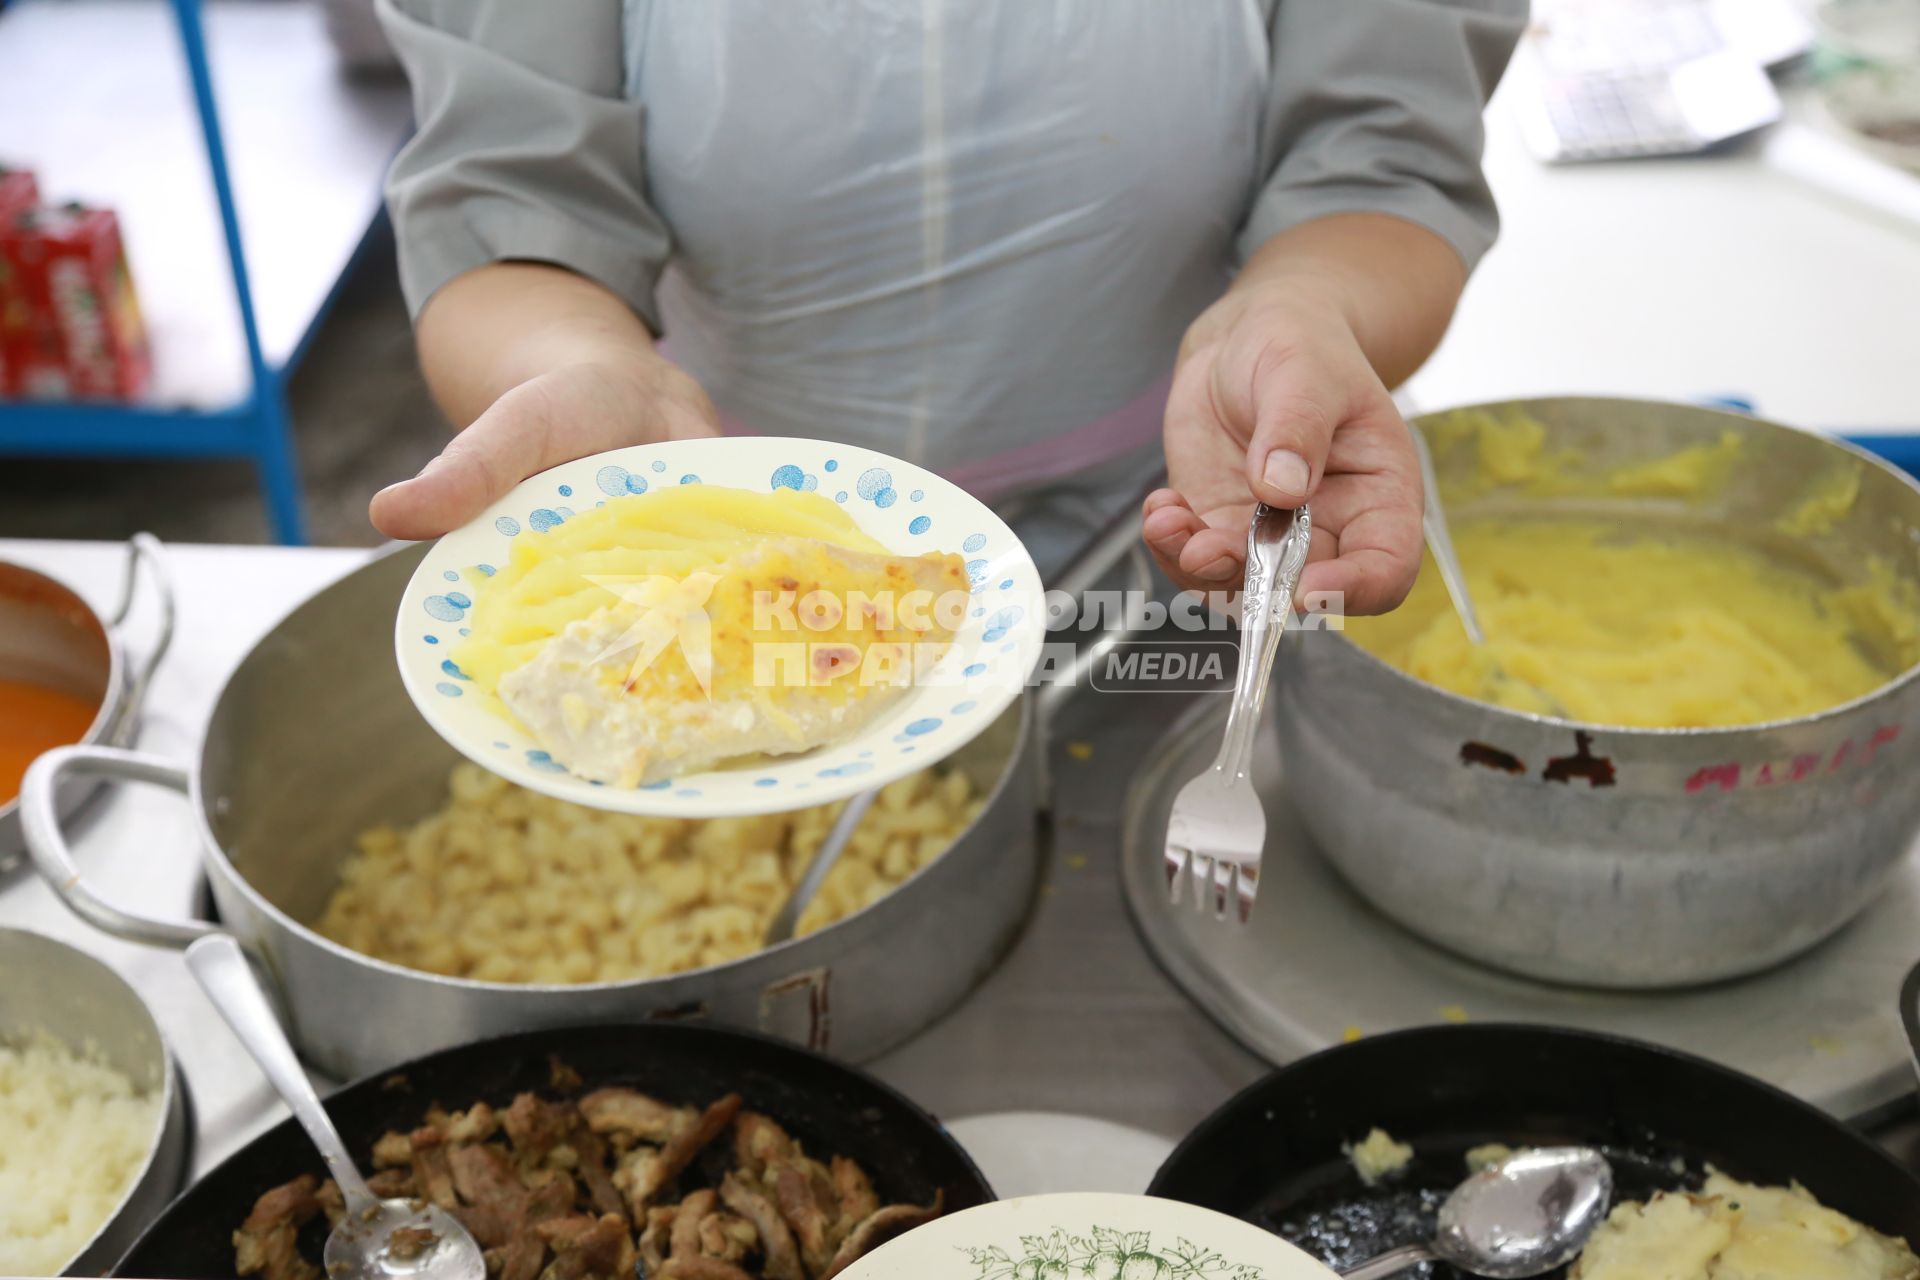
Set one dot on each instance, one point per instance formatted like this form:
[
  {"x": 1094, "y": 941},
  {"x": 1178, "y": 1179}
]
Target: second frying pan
[{"x": 1273, "y": 1155}]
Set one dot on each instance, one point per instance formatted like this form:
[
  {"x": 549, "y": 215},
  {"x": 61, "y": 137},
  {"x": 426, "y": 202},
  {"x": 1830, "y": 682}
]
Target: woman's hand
[
  {"x": 541, "y": 366},
  {"x": 1278, "y": 397},
  {"x": 549, "y": 419},
  {"x": 1275, "y": 402}
]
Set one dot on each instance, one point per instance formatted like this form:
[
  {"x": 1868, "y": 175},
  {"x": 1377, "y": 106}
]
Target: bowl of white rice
[{"x": 93, "y": 1124}]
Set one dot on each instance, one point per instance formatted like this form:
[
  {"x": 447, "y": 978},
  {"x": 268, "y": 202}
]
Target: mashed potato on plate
[{"x": 665, "y": 633}]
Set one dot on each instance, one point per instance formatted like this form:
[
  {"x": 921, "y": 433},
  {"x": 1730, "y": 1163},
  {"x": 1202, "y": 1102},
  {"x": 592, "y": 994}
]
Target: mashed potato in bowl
[
  {"x": 1660, "y": 592},
  {"x": 1634, "y": 629}
]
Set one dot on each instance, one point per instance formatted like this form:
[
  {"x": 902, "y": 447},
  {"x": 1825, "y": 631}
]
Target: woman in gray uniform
[{"x": 1016, "y": 241}]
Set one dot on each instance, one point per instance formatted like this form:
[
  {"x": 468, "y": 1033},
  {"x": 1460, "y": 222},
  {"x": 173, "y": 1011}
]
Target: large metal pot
[
  {"x": 1613, "y": 857},
  {"x": 313, "y": 740},
  {"x": 50, "y": 636}
]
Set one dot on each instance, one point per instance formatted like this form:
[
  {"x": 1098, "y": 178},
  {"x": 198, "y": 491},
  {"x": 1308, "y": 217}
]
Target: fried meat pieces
[{"x": 584, "y": 1190}]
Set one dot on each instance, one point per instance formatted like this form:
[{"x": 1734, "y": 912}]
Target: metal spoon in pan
[
  {"x": 376, "y": 1239},
  {"x": 1523, "y": 1216},
  {"x": 787, "y": 919},
  {"x": 1440, "y": 542}
]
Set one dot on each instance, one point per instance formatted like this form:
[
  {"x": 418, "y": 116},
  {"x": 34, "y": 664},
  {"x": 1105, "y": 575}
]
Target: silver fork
[{"x": 1217, "y": 827}]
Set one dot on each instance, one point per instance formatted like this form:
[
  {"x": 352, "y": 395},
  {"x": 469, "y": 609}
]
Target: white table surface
[{"x": 1686, "y": 279}]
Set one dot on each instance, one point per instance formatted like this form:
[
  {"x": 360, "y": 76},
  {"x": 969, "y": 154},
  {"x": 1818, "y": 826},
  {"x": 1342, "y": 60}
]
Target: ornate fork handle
[{"x": 1277, "y": 543}]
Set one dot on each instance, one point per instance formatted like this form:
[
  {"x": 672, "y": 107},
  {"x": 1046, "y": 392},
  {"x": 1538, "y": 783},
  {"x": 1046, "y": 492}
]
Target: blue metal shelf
[{"x": 256, "y": 427}]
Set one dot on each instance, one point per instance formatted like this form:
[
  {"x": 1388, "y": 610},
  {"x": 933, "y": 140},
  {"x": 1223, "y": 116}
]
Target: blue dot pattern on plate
[
  {"x": 545, "y": 763},
  {"x": 974, "y": 542},
  {"x": 689, "y": 478},
  {"x": 614, "y": 481},
  {"x": 833, "y": 464},
  {"x": 925, "y": 725},
  {"x": 840, "y": 496},
  {"x": 431, "y": 639},
  {"x": 541, "y": 519},
  {"x": 449, "y": 688},
  {"x": 975, "y": 669},
  {"x": 976, "y": 572},
  {"x": 450, "y": 607},
  {"x": 916, "y": 495},
  {"x": 452, "y": 668},
  {"x": 566, "y": 491},
  {"x": 961, "y": 708},
  {"x": 847, "y": 770},
  {"x": 506, "y": 525},
  {"x": 466, "y": 631},
  {"x": 873, "y": 482},
  {"x": 659, "y": 466},
  {"x": 688, "y": 792},
  {"x": 451, "y": 576},
  {"x": 811, "y": 483},
  {"x": 1007, "y": 584},
  {"x": 885, "y": 498},
  {"x": 766, "y": 782},
  {"x": 661, "y": 785},
  {"x": 1001, "y": 623},
  {"x": 788, "y": 477},
  {"x": 920, "y": 524}
]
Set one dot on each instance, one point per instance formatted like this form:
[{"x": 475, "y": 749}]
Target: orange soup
[{"x": 34, "y": 719}]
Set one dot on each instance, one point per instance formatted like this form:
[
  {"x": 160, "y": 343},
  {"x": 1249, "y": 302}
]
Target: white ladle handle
[
  {"x": 221, "y": 969},
  {"x": 1391, "y": 1264}
]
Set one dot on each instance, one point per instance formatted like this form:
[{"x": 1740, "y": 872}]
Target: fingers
[
  {"x": 505, "y": 445},
  {"x": 1197, "y": 556},
  {"x": 1297, "y": 406}
]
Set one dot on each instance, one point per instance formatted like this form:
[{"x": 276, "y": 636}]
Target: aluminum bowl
[
  {"x": 49, "y": 636},
  {"x": 1624, "y": 858},
  {"x": 49, "y": 986}
]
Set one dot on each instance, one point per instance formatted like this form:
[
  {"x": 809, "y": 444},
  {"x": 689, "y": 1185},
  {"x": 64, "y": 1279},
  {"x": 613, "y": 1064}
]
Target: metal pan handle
[
  {"x": 40, "y": 819},
  {"x": 143, "y": 550}
]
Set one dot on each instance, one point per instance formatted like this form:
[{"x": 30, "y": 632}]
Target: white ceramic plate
[
  {"x": 906, "y": 509},
  {"x": 1111, "y": 1237}
]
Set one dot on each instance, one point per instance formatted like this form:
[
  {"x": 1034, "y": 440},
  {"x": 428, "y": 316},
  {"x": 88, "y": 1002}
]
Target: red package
[
  {"x": 71, "y": 327},
  {"x": 18, "y": 191}
]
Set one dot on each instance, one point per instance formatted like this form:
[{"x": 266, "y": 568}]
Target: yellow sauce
[
  {"x": 1645, "y": 631},
  {"x": 34, "y": 720}
]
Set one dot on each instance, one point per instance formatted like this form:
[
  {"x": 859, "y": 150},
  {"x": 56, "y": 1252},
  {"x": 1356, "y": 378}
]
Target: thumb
[
  {"x": 502, "y": 447},
  {"x": 1294, "y": 418}
]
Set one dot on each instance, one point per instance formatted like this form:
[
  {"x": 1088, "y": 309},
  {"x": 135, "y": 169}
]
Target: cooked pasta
[{"x": 505, "y": 885}]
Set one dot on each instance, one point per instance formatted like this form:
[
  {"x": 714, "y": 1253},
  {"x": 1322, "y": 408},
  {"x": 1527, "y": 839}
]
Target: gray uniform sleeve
[
  {"x": 527, "y": 146},
  {"x": 1376, "y": 106}
]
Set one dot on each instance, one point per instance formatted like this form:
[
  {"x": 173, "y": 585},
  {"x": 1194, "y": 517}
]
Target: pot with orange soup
[{"x": 66, "y": 675}]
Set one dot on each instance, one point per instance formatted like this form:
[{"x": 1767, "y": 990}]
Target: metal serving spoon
[
  {"x": 787, "y": 919},
  {"x": 377, "y": 1239},
  {"x": 1440, "y": 542},
  {"x": 1524, "y": 1216}
]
